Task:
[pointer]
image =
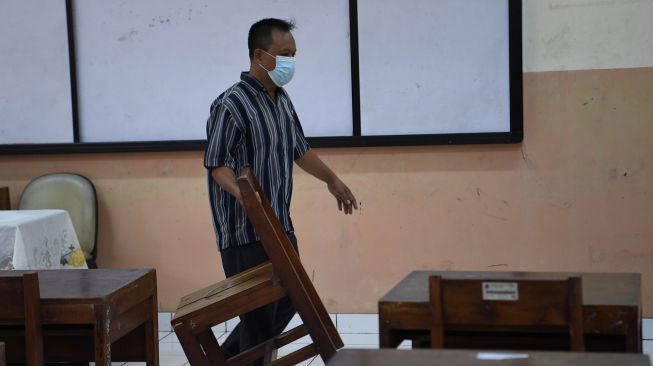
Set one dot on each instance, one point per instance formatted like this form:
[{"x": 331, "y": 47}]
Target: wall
[{"x": 575, "y": 196}]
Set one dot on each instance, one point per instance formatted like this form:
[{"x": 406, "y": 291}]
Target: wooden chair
[
  {"x": 20, "y": 305},
  {"x": 529, "y": 306},
  {"x": 249, "y": 290}
]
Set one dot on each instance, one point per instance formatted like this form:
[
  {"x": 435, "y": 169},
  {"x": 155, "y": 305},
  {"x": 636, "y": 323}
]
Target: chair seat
[{"x": 232, "y": 297}]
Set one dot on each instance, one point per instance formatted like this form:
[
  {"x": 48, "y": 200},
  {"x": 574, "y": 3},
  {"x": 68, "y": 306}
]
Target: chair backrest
[
  {"x": 287, "y": 266},
  {"x": 20, "y": 304},
  {"x": 537, "y": 305},
  {"x": 73, "y": 193}
]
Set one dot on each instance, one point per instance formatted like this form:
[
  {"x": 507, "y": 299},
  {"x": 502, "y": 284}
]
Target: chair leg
[
  {"x": 190, "y": 344},
  {"x": 211, "y": 347}
]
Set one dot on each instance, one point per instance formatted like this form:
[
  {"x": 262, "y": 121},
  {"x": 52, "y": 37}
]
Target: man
[{"x": 254, "y": 123}]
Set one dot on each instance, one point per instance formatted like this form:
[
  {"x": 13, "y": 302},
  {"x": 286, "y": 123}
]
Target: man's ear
[{"x": 258, "y": 54}]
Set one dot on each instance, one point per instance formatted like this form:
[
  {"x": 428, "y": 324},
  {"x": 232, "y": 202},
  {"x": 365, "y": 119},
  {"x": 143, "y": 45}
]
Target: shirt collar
[
  {"x": 251, "y": 81},
  {"x": 254, "y": 83}
]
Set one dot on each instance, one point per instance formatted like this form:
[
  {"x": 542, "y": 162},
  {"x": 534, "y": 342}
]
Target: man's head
[
  {"x": 267, "y": 39},
  {"x": 270, "y": 33}
]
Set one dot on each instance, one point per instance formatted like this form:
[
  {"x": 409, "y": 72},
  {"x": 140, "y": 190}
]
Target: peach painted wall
[{"x": 575, "y": 196}]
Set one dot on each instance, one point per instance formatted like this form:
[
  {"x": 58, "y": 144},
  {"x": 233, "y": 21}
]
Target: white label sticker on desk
[{"x": 500, "y": 291}]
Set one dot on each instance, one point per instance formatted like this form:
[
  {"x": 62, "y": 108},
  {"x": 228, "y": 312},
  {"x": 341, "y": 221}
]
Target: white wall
[{"x": 587, "y": 34}]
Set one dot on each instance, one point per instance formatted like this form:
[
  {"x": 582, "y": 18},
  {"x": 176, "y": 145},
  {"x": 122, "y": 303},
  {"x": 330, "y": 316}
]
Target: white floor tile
[
  {"x": 163, "y": 335},
  {"x": 231, "y": 323},
  {"x": 647, "y": 347},
  {"x": 218, "y": 334},
  {"x": 368, "y": 339},
  {"x": 317, "y": 361},
  {"x": 406, "y": 344},
  {"x": 297, "y": 320},
  {"x": 294, "y": 322},
  {"x": 170, "y": 349},
  {"x": 172, "y": 360},
  {"x": 361, "y": 346},
  {"x": 223, "y": 337},
  {"x": 357, "y": 323},
  {"x": 222, "y": 327},
  {"x": 164, "y": 322},
  {"x": 647, "y": 329},
  {"x": 172, "y": 337}
]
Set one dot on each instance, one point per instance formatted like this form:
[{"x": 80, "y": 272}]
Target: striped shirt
[{"x": 247, "y": 127}]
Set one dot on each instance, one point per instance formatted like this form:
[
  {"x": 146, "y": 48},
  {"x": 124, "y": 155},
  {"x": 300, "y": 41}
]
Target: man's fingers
[
  {"x": 353, "y": 199},
  {"x": 350, "y": 198},
  {"x": 339, "y": 205}
]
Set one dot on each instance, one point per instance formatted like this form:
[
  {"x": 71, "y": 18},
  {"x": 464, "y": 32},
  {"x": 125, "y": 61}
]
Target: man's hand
[
  {"x": 343, "y": 195},
  {"x": 312, "y": 164}
]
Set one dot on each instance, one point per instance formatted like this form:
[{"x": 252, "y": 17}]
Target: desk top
[
  {"x": 424, "y": 357},
  {"x": 611, "y": 289},
  {"x": 83, "y": 284}
]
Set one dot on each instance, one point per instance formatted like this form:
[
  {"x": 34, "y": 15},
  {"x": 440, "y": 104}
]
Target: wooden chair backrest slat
[{"x": 543, "y": 304}]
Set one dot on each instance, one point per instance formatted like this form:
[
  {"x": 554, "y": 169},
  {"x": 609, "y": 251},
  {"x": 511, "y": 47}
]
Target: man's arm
[
  {"x": 313, "y": 165},
  {"x": 226, "y": 179}
]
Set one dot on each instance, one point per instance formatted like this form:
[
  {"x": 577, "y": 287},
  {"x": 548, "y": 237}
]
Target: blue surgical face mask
[{"x": 283, "y": 71}]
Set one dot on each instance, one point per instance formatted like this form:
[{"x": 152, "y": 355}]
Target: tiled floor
[{"x": 356, "y": 330}]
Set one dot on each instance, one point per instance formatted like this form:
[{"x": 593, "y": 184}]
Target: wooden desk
[
  {"x": 611, "y": 309},
  {"x": 389, "y": 357},
  {"x": 86, "y": 313}
]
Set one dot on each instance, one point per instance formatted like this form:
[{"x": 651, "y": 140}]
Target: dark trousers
[{"x": 263, "y": 323}]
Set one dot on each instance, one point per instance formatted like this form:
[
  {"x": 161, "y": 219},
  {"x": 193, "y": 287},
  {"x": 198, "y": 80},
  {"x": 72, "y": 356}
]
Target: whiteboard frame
[{"x": 515, "y": 135}]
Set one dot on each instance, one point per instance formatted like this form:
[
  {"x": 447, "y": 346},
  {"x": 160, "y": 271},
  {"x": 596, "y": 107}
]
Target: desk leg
[
  {"x": 633, "y": 340},
  {"x": 384, "y": 335},
  {"x": 102, "y": 336},
  {"x": 152, "y": 334},
  {"x": 387, "y": 338}
]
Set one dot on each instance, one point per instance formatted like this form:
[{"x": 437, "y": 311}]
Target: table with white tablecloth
[{"x": 39, "y": 239}]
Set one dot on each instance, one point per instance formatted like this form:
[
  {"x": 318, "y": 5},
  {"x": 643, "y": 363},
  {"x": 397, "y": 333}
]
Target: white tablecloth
[{"x": 38, "y": 239}]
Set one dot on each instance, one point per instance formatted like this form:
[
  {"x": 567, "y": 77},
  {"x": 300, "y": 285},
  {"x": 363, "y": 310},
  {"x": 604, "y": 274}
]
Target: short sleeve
[
  {"x": 224, "y": 137},
  {"x": 301, "y": 145}
]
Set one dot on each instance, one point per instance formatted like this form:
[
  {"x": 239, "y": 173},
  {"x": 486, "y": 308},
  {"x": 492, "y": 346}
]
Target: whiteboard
[
  {"x": 148, "y": 70},
  {"x": 35, "y": 89},
  {"x": 433, "y": 66}
]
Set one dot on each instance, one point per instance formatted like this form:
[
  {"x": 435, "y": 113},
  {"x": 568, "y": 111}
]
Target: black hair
[{"x": 260, "y": 33}]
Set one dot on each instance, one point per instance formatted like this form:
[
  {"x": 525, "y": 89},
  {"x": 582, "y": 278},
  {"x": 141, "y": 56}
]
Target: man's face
[{"x": 283, "y": 44}]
